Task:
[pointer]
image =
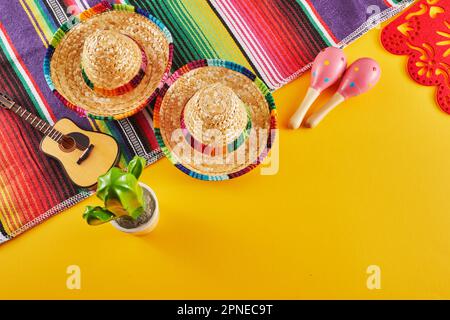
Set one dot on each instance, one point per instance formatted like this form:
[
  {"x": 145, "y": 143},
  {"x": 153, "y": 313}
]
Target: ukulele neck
[{"x": 37, "y": 123}]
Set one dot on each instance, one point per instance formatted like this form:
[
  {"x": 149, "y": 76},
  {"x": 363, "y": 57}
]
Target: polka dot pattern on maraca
[
  {"x": 361, "y": 76},
  {"x": 328, "y": 68}
]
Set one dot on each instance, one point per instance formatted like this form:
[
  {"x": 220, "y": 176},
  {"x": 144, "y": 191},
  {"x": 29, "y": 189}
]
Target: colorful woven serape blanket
[{"x": 276, "y": 39}]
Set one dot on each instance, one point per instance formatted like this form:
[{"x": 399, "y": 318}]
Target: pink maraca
[
  {"x": 328, "y": 68},
  {"x": 360, "y": 77}
]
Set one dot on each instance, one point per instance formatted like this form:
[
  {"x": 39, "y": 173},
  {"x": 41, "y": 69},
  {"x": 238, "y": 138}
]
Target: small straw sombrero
[
  {"x": 109, "y": 62},
  {"x": 215, "y": 120}
]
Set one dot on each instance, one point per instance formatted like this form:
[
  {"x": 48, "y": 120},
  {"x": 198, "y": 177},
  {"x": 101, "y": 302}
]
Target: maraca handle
[
  {"x": 297, "y": 119},
  {"x": 318, "y": 116}
]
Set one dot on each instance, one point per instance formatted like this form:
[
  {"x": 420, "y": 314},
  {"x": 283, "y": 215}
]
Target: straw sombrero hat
[
  {"x": 109, "y": 62},
  {"x": 215, "y": 120}
]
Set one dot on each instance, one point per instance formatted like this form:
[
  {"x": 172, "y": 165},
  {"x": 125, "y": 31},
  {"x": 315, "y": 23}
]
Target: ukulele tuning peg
[{"x": 6, "y": 101}]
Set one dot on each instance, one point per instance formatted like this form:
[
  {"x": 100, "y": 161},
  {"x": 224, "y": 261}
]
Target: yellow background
[{"x": 369, "y": 186}]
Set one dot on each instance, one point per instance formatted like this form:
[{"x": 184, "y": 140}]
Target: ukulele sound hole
[{"x": 67, "y": 144}]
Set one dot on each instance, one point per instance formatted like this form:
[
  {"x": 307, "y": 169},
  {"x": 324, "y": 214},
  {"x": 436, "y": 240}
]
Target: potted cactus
[{"x": 129, "y": 205}]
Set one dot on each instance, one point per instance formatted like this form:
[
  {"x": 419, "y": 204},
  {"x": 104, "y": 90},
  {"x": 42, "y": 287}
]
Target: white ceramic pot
[{"x": 150, "y": 225}]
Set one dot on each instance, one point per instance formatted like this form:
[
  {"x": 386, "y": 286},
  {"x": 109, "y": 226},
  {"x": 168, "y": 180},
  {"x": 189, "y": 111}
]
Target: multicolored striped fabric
[
  {"x": 281, "y": 37},
  {"x": 275, "y": 39},
  {"x": 32, "y": 186}
]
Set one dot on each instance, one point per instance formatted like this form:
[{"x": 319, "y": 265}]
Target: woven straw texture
[
  {"x": 215, "y": 109},
  {"x": 111, "y": 59},
  {"x": 108, "y": 46},
  {"x": 236, "y": 92}
]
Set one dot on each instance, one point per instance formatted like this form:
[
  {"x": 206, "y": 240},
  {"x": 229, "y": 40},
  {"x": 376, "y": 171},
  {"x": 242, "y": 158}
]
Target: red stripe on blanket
[
  {"x": 322, "y": 22},
  {"x": 36, "y": 87},
  {"x": 275, "y": 46}
]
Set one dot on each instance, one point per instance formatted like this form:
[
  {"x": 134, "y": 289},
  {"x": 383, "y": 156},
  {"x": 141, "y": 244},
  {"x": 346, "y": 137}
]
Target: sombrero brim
[
  {"x": 62, "y": 62},
  {"x": 177, "y": 91}
]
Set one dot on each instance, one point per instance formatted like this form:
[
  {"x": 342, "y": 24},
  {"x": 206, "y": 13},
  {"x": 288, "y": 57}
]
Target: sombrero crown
[
  {"x": 112, "y": 63},
  {"x": 215, "y": 116}
]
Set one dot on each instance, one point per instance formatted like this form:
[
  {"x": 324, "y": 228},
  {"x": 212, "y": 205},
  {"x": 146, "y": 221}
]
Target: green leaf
[
  {"x": 136, "y": 166},
  {"x": 96, "y": 215},
  {"x": 127, "y": 191},
  {"x": 121, "y": 193},
  {"x": 106, "y": 181}
]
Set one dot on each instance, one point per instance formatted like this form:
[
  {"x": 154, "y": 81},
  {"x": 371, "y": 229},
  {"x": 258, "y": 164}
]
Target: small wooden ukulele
[{"x": 85, "y": 155}]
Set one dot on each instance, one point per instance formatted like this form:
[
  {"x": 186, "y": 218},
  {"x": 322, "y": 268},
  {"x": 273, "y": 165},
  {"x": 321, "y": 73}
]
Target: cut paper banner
[{"x": 423, "y": 34}]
